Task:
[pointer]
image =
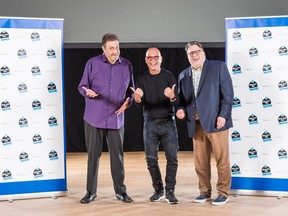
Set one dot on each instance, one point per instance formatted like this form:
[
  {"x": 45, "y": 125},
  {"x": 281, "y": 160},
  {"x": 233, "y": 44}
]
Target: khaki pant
[{"x": 204, "y": 145}]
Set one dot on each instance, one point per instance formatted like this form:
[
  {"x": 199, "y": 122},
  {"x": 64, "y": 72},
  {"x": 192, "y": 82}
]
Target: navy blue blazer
[{"x": 214, "y": 96}]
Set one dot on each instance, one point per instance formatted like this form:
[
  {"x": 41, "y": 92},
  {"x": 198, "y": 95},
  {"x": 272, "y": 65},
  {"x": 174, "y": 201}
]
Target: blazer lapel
[
  {"x": 189, "y": 80},
  {"x": 203, "y": 76}
]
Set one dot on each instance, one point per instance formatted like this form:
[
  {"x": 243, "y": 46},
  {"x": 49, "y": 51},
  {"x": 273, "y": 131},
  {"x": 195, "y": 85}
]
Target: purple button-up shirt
[{"x": 112, "y": 83}]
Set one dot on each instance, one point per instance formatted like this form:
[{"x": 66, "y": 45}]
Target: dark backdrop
[{"x": 174, "y": 59}]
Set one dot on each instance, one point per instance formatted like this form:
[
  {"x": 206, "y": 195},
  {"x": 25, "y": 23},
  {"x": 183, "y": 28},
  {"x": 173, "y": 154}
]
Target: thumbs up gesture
[
  {"x": 138, "y": 94},
  {"x": 169, "y": 92}
]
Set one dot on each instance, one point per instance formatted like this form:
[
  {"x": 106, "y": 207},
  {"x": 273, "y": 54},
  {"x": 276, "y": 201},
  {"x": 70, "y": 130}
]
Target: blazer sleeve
[{"x": 227, "y": 93}]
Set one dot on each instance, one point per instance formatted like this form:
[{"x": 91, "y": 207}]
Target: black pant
[
  {"x": 161, "y": 131},
  {"x": 94, "y": 144}
]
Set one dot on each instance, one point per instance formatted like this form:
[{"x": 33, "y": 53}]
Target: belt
[{"x": 159, "y": 119}]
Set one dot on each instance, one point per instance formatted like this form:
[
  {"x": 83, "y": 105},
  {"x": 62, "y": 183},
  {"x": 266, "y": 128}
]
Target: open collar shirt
[{"x": 112, "y": 83}]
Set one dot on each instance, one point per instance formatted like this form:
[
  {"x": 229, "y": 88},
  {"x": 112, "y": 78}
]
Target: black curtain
[{"x": 174, "y": 60}]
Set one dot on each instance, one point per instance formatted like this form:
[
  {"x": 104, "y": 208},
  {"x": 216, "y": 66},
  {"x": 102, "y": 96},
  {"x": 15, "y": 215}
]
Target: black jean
[{"x": 162, "y": 131}]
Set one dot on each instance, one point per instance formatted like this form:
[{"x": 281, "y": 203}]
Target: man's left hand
[
  {"x": 220, "y": 122},
  {"x": 123, "y": 107}
]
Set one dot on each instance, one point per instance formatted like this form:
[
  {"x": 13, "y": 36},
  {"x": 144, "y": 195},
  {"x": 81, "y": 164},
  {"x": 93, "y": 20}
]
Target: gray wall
[{"x": 85, "y": 21}]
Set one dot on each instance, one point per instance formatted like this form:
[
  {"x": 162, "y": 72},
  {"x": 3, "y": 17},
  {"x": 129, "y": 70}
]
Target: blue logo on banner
[
  {"x": 53, "y": 155},
  {"x": 282, "y": 119},
  {"x": 23, "y": 122},
  {"x": 282, "y": 51},
  {"x": 235, "y": 136},
  {"x": 37, "y": 173},
  {"x": 4, "y": 35},
  {"x": 6, "y": 175},
  {"x": 5, "y": 70},
  {"x": 236, "y": 35},
  {"x": 282, "y": 85},
  {"x": 236, "y": 69},
  {"x": 52, "y": 121},
  {"x": 35, "y": 70},
  {"x": 266, "y": 102},
  {"x": 6, "y": 140},
  {"x": 252, "y": 153},
  {"x": 22, "y": 88},
  {"x": 267, "y": 68},
  {"x": 266, "y": 136},
  {"x": 267, "y": 34},
  {"x": 253, "y": 85},
  {"x": 23, "y": 156},
  {"x": 51, "y": 87},
  {"x": 5, "y": 105},
  {"x": 35, "y": 36},
  {"x": 282, "y": 153},
  {"x": 253, "y": 52},
  {"x": 22, "y": 53},
  {"x": 253, "y": 119},
  {"x": 36, "y": 105},
  {"x": 235, "y": 170},
  {"x": 236, "y": 102},
  {"x": 266, "y": 170},
  {"x": 51, "y": 54},
  {"x": 37, "y": 139}
]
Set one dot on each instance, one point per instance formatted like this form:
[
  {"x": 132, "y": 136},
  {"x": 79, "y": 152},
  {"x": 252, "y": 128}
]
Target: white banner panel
[
  {"x": 257, "y": 57},
  {"x": 32, "y": 126}
]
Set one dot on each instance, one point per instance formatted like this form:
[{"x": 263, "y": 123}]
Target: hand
[
  {"x": 138, "y": 94},
  {"x": 169, "y": 92},
  {"x": 180, "y": 114},
  {"x": 123, "y": 107},
  {"x": 89, "y": 92},
  {"x": 220, "y": 122}
]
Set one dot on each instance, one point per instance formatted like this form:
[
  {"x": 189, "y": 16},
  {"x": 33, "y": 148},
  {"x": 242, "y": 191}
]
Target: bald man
[{"x": 156, "y": 92}]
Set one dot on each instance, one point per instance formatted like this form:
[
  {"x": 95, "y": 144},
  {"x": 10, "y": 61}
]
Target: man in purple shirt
[{"x": 105, "y": 85}]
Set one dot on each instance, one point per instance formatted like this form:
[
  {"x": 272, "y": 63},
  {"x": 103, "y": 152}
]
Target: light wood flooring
[{"x": 139, "y": 187}]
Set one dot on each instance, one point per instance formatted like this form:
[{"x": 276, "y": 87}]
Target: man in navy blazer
[{"x": 206, "y": 98}]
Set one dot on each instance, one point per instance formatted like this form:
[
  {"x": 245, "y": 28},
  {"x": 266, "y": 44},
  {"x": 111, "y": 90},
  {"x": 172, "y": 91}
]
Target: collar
[
  {"x": 198, "y": 69},
  {"x": 104, "y": 59}
]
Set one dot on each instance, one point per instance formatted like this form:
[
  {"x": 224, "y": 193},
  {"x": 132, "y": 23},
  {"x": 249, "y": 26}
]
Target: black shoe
[
  {"x": 124, "y": 197},
  {"x": 170, "y": 197},
  {"x": 157, "y": 196},
  {"x": 88, "y": 198}
]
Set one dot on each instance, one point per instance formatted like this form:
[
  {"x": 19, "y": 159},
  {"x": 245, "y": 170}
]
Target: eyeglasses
[
  {"x": 196, "y": 52},
  {"x": 150, "y": 58}
]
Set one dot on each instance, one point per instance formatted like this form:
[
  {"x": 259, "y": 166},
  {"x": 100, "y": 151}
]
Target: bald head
[
  {"x": 153, "y": 60},
  {"x": 153, "y": 50}
]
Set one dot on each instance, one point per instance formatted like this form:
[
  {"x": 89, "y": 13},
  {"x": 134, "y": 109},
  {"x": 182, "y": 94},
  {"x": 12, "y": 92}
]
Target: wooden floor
[{"x": 139, "y": 187}]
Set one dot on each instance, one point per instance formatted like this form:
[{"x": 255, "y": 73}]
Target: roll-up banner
[
  {"x": 257, "y": 58},
  {"x": 32, "y": 118}
]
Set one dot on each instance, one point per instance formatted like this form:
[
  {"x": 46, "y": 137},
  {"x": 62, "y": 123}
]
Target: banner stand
[
  {"x": 32, "y": 114},
  {"x": 257, "y": 58}
]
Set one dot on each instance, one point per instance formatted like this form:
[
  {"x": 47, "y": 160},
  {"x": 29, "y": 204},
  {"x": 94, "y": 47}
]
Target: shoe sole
[
  {"x": 202, "y": 201},
  {"x": 160, "y": 198},
  {"x": 220, "y": 203},
  {"x": 171, "y": 202}
]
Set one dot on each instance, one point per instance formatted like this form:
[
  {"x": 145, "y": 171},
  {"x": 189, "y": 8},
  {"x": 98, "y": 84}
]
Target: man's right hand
[{"x": 89, "y": 92}]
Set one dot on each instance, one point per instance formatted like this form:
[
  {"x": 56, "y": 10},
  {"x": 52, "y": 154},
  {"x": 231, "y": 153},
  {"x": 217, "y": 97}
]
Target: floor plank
[{"x": 139, "y": 187}]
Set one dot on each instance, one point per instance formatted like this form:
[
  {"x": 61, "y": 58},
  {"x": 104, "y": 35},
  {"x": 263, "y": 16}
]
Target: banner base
[
  {"x": 12, "y": 197},
  {"x": 278, "y": 194}
]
